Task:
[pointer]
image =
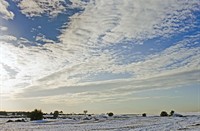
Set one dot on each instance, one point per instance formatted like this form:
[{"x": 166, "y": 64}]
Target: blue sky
[{"x": 100, "y": 55}]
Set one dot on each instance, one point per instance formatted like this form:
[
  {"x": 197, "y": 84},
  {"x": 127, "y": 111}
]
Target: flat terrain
[{"x": 101, "y": 123}]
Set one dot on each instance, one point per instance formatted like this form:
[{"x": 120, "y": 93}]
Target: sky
[{"x": 121, "y": 56}]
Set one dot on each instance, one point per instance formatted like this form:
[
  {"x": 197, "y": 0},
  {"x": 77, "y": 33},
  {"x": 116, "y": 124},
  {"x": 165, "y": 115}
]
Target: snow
[{"x": 101, "y": 122}]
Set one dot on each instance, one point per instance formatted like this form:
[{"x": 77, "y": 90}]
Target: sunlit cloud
[
  {"x": 4, "y": 12},
  {"x": 8, "y": 38},
  {"x": 32, "y": 8},
  {"x": 3, "y": 28},
  {"x": 112, "y": 90}
]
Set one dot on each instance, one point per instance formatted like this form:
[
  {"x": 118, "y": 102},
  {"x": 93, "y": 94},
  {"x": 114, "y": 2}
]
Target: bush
[
  {"x": 144, "y": 114},
  {"x": 4, "y": 113},
  {"x": 55, "y": 114},
  {"x": 36, "y": 115},
  {"x": 172, "y": 113},
  {"x": 163, "y": 113},
  {"x": 110, "y": 114}
]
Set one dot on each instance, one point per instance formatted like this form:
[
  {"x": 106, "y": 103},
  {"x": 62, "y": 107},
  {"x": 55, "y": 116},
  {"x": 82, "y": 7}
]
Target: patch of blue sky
[
  {"x": 129, "y": 51},
  {"x": 29, "y": 28},
  {"x": 85, "y": 0}
]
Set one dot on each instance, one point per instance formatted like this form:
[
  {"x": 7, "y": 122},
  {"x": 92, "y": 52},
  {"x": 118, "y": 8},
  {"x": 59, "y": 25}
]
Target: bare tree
[{"x": 85, "y": 112}]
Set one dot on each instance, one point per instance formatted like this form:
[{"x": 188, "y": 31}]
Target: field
[{"x": 104, "y": 123}]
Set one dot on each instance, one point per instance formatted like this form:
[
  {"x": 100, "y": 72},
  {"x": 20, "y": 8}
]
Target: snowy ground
[{"x": 119, "y": 123}]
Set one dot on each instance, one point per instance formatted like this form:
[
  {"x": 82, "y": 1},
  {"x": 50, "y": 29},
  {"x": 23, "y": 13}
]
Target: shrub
[
  {"x": 110, "y": 114},
  {"x": 172, "y": 113},
  {"x": 144, "y": 114},
  {"x": 163, "y": 113},
  {"x": 36, "y": 115},
  {"x": 4, "y": 113},
  {"x": 55, "y": 114}
]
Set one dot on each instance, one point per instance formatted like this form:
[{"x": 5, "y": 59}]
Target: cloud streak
[{"x": 110, "y": 90}]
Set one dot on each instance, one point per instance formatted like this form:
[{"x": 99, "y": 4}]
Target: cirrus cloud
[{"x": 70, "y": 67}]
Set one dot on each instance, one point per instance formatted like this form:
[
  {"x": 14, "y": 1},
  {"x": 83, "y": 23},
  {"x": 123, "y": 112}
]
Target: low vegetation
[
  {"x": 163, "y": 113},
  {"x": 3, "y": 113},
  {"x": 144, "y": 114},
  {"x": 36, "y": 115},
  {"x": 172, "y": 113},
  {"x": 39, "y": 115},
  {"x": 110, "y": 114},
  {"x": 55, "y": 114}
]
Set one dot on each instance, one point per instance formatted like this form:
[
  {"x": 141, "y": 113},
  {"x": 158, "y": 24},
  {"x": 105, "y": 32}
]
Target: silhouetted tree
[
  {"x": 4, "y": 113},
  {"x": 172, "y": 113},
  {"x": 36, "y": 115},
  {"x": 55, "y": 114},
  {"x": 144, "y": 114},
  {"x": 163, "y": 113},
  {"x": 85, "y": 112},
  {"x": 110, "y": 114}
]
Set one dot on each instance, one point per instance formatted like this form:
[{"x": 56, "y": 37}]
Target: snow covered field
[{"x": 100, "y": 122}]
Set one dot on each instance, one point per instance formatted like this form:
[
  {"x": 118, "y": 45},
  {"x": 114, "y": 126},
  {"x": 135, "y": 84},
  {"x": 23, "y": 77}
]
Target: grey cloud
[
  {"x": 121, "y": 87},
  {"x": 12, "y": 72}
]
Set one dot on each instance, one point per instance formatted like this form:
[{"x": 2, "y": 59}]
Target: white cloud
[
  {"x": 42, "y": 38},
  {"x": 62, "y": 72},
  {"x": 54, "y": 68},
  {"x": 115, "y": 90},
  {"x": 183, "y": 56},
  {"x": 4, "y": 12},
  {"x": 8, "y": 38},
  {"x": 32, "y": 8},
  {"x": 111, "y": 21},
  {"x": 3, "y": 28}
]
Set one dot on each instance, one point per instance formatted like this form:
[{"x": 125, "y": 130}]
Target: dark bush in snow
[
  {"x": 55, "y": 114},
  {"x": 110, "y": 114},
  {"x": 4, "y": 113},
  {"x": 163, "y": 113},
  {"x": 172, "y": 113},
  {"x": 36, "y": 115},
  {"x": 144, "y": 114}
]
